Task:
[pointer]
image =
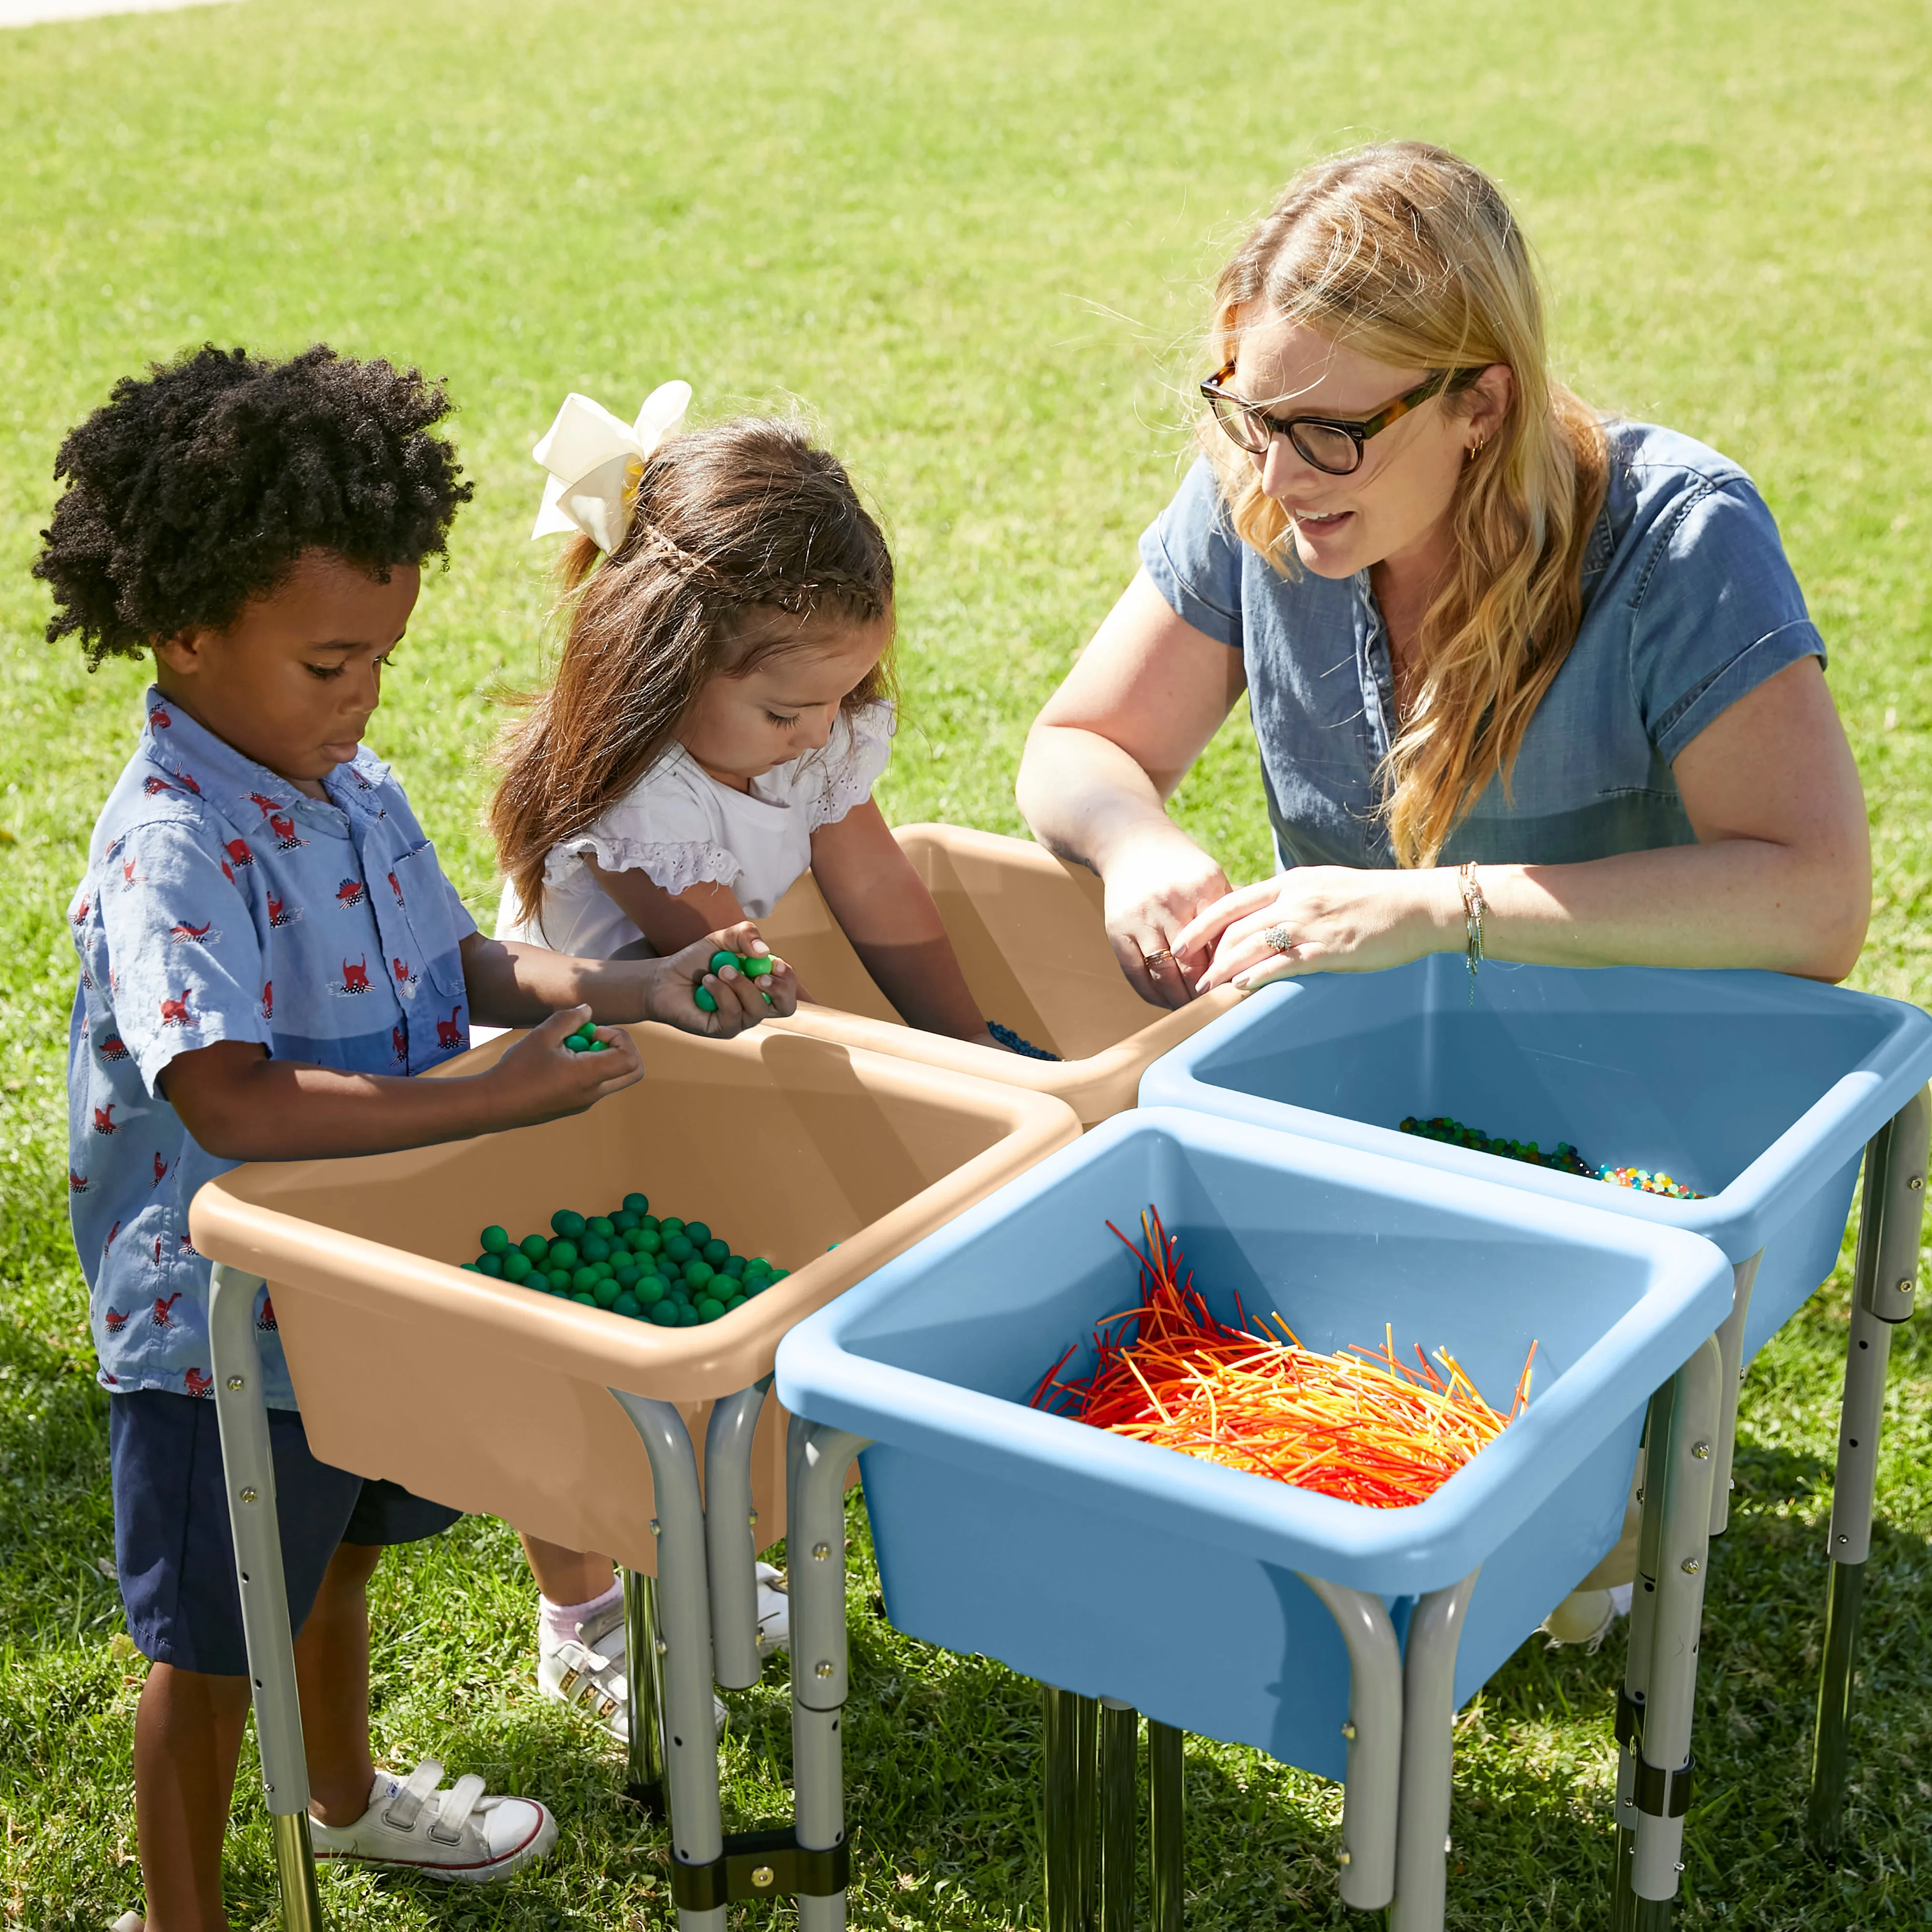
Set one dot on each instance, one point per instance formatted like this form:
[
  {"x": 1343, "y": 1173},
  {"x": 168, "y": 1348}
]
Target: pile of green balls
[
  {"x": 753, "y": 965},
  {"x": 676, "y": 1273}
]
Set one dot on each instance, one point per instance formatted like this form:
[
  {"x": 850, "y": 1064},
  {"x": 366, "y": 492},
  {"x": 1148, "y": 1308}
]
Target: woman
[{"x": 1523, "y": 680}]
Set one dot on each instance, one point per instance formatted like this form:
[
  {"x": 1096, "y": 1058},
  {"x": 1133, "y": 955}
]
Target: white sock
[{"x": 556, "y": 1623}]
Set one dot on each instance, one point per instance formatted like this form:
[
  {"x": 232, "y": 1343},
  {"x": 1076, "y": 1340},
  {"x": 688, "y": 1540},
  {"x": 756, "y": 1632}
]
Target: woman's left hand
[{"x": 1324, "y": 918}]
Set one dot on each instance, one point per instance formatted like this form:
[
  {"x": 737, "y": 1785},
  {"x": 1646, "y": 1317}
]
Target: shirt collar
[{"x": 196, "y": 761}]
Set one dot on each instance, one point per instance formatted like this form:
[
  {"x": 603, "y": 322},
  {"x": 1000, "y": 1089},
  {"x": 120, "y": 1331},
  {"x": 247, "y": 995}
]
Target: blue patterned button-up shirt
[{"x": 221, "y": 903}]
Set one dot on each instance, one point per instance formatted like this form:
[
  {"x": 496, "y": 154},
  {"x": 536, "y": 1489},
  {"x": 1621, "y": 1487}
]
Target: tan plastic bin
[
  {"x": 1030, "y": 933},
  {"x": 496, "y": 1399}
]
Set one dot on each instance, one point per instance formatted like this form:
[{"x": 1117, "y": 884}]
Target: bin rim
[
  {"x": 228, "y": 1223},
  {"x": 1739, "y": 1217},
  {"x": 1394, "y": 1553}
]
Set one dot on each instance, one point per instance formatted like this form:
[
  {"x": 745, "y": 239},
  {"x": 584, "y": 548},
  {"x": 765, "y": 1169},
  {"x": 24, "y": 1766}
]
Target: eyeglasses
[{"x": 1331, "y": 443}]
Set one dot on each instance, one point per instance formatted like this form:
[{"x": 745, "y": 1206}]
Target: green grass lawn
[{"x": 971, "y": 240}]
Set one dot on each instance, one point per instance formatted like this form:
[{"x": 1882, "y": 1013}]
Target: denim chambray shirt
[
  {"x": 1690, "y": 604},
  {"x": 220, "y": 903}
]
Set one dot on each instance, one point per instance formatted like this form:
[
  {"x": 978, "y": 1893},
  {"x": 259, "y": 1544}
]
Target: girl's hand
[
  {"x": 1336, "y": 919},
  {"x": 1157, "y": 887},
  {"x": 671, "y": 984},
  {"x": 540, "y": 1079}
]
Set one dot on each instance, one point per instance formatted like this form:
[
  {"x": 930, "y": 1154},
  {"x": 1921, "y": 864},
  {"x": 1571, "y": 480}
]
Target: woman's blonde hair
[
  {"x": 1410, "y": 255},
  {"x": 741, "y": 534}
]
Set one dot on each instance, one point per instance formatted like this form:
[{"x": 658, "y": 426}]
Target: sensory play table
[
  {"x": 1030, "y": 938},
  {"x": 1343, "y": 1637},
  {"x": 581, "y": 1425},
  {"x": 1763, "y": 1092}
]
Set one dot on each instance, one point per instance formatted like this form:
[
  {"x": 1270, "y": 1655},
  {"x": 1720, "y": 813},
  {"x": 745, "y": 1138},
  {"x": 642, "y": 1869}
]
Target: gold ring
[
  {"x": 1155, "y": 958},
  {"x": 1278, "y": 939}
]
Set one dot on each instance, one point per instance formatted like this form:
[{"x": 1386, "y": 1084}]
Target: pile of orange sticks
[{"x": 1360, "y": 1425}]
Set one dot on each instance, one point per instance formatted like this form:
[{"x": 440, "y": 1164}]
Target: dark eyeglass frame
[{"x": 1229, "y": 409}]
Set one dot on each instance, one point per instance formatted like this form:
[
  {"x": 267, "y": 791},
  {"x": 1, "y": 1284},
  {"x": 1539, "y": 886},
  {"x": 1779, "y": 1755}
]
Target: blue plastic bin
[
  {"x": 1758, "y": 1089},
  {"x": 1115, "y": 1568}
]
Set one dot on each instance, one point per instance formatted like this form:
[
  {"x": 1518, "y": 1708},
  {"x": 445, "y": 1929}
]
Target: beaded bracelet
[{"x": 1474, "y": 907}]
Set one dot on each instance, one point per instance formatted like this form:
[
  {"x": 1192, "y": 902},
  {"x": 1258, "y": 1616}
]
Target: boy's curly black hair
[{"x": 196, "y": 487}]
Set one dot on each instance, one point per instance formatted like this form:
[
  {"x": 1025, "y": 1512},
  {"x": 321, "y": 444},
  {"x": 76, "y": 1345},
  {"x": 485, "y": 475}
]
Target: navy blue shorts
[{"x": 172, "y": 1546}]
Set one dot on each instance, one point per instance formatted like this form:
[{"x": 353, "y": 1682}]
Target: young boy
[{"x": 268, "y": 949}]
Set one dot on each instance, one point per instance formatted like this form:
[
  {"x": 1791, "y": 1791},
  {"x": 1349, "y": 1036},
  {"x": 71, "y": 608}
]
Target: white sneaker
[
  {"x": 457, "y": 1834},
  {"x": 1586, "y": 1616},
  {"x": 588, "y": 1671},
  {"x": 774, "y": 1611}
]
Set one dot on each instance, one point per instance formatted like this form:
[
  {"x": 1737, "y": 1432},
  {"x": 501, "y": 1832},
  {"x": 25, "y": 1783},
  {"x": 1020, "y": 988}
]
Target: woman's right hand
[
  {"x": 539, "y": 1078},
  {"x": 1156, "y": 884}
]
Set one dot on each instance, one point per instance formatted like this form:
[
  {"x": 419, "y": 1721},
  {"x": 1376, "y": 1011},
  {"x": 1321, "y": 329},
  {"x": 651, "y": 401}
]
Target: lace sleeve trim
[
  {"x": 868, "y": 752},
  {"x": 674, "y": 866}
]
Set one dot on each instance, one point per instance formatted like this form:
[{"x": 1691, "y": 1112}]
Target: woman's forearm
[
  {"x": 1730, "y": 902},
  {"x": 1086, "y": 800},
  {"x": 1727, "y": 902}
]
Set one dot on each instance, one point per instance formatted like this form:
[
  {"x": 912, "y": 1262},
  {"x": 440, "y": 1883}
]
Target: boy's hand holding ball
[{"x": 541, "y": 1078}]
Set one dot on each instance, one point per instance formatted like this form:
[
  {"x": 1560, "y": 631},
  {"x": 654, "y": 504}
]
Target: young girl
[{"x": 721, "y": 710}]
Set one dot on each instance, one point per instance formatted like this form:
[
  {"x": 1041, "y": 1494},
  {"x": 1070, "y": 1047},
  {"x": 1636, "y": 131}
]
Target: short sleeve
[
  {"x": 663, "y": 827},
  {"x": 1193, "y": 556},
  {"x": 853, "y": 762},
  {"x": 182, "y": 950},
  {"x": 1719, "y": 612}
]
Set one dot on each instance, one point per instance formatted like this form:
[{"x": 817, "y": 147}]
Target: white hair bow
[{"x": 594, "y": 462}]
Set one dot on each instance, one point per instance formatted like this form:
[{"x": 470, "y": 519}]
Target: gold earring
[{"x": 1477, "y": 448}]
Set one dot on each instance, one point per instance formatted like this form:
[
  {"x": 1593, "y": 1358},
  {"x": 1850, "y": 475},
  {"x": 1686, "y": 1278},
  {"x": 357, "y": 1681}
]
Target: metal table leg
[
  {"x": 248, "y": 1471},
  {"x": 730, "y": 1539},
  {"x": 1167, "y": 1836},
  {"x": 1118, "y": 1761},
  {"x": 1636, "y": 1666},
  {"x": 644, "y": 1767},
  {"x": 1886, "y": 1283},
  {"x": 1058, "y": 1839},
  {"x": 1679, "y": 1472},
  {"x": 1069, "y": 1744},
  {"x": 1428, "y": 1751},
  {"x": 1372, "y": 1786},
  {"x": 1731, "y": 1344},
  {"x": 691, "y": 1734},
  {"x": 1087, "y": 1811},
  {"x": 815, "y": 1542}
]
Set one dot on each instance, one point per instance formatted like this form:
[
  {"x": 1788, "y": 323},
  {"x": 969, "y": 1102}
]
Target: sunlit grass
[{"x": 970, "y": 241}]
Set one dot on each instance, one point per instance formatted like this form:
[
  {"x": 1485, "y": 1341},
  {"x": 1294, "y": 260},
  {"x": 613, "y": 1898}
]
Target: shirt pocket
[{"x": 425, "y": 899}]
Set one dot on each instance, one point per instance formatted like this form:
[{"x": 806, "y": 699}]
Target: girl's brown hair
[
  {"x": 740, "y": 534},
  {"x": 1412, "y": 256}
]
